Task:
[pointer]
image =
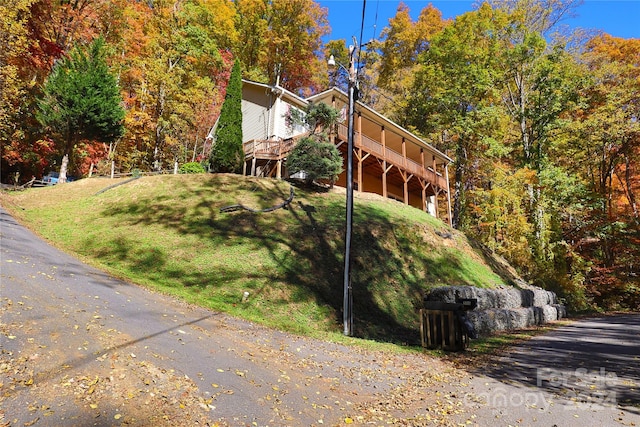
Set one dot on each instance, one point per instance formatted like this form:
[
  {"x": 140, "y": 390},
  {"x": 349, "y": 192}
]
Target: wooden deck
[
  {"x": 393, "y": 158},
  {"x": 268, "y": 149},
  {"x": 277, "y": 150}
]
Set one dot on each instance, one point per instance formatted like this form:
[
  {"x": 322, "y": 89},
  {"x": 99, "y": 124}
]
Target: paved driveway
[
  {"x": 81, "y": 348},
  {"x": 584, "y": 374}
]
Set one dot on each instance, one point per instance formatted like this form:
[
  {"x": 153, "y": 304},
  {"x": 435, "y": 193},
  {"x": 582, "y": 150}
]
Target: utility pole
[
  {"x": 348, "y": 294},
  {"x": 347, "y": 303}
]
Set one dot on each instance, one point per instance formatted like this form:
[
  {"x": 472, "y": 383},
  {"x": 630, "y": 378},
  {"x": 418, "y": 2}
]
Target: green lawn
[{"x": 167, "y": 233}]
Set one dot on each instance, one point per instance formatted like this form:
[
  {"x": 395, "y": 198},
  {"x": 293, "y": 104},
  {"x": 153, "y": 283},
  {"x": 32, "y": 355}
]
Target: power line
[
  {"x": 364, "y": 8},
  {"x": 375, "y": 21}
]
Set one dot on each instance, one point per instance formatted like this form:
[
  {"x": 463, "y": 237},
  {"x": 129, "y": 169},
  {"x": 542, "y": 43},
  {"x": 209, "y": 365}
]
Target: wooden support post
[
  {"x": 360, "y": 159},
  {"x": 424, "y": 195},
  {"x": 406, "y": 178},
  {"x": 446, "y": 174},
  {"x": 384, "y": 161},
  {"x": 405, "y": 189},
  {"x": 279, "y": 169},
  {"x": 404, "y": 152},
  {"x": 384, "y": 181},
  {"x": 253, "y": 167}
]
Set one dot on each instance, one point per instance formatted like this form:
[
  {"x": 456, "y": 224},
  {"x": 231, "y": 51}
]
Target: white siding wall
[
  {"x": 255, "y": 121},
  {"x": 264, "y": 115},
  {"x": 283, "y": 130}
]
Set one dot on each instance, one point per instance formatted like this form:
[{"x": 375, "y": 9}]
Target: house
[{"x": 388, "y": 159}]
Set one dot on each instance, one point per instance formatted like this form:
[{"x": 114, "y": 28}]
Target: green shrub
[{"x": 192, "y": 167}]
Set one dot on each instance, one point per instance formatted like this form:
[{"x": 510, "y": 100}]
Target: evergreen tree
[
  {"x": 316, "y": 158},
  {"x": 227, "y": 153},
  {"x": 81, "y": 100},
  {"x": 315, "y": 155}
]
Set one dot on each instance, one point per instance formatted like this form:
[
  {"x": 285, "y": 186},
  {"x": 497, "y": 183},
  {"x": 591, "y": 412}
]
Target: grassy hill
[{"x": 167, "y": 233}]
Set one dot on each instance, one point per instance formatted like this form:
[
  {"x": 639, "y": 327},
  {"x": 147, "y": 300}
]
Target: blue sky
[{"x": 620, "y": 18}]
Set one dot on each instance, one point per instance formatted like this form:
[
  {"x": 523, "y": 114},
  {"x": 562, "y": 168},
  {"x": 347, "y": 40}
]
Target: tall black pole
[{"x": 347, "y": 305}]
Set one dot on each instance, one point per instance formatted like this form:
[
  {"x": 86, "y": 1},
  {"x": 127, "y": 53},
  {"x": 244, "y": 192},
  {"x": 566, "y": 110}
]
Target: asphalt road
[
  {"x": 81, "y": 348},
  {"x": 586, "y": 373}
]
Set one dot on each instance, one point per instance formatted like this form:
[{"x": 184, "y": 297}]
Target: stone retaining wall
[{"x": 504, "y": 308}]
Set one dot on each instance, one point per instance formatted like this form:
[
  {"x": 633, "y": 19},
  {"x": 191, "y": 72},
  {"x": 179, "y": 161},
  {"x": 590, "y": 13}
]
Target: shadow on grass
[{"x": 392, "y": 266}]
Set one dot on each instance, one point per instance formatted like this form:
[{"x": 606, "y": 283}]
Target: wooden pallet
[{"x": 441, "y": 328}]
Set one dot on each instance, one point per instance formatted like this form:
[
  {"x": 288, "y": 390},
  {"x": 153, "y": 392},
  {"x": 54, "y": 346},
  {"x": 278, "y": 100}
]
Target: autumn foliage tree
[
  {"x": 605, "y": 151},
  {"x": 13, "y": 48},
  {"x": 403, "y": 41},
  {"x": 172, "y": 63},
  {"x": 454, "y": 94},
  {"x": 39, "y": 33},
  {"x": 280, "y": 41}
]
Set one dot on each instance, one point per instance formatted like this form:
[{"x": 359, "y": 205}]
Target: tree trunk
[
  {"x": 629, "y": 187},
  {"x": 68, "y": 152},
  {"x": 195, "y": 147},
  {"x": 458, "y": 186},
  {"x": 62, "y": 178}
]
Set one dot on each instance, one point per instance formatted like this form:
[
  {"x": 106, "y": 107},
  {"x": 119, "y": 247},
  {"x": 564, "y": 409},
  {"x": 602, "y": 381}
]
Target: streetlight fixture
[{"x": 347, "y": 305}]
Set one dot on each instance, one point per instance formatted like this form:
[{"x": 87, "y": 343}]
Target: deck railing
[
  {"x": 278, "y": 149},
  {"x": 393, "y": 157},
  {"x": 268, "y": 149}
]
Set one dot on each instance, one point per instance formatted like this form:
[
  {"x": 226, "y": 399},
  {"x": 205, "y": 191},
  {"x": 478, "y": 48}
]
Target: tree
[
  {"x": 281, "y": 42},
  {"x": 604, "y": 150},
  {"x": 403, "y": 42},
  {"x": 316, "y": 159},
  {"x": 227, "y": 153},
  {"x": 540, "y": 16},
  {"x": 455, "y": 92},
  {"x": 81, "y": 100},
  {"x": 13, "y": 46},
  {"x": 539, "y": 84},
  {"x": 172, "y": 66},
  {"x": 314, "y": 155}
]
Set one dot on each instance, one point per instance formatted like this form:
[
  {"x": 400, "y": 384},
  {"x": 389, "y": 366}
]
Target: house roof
[{"x": 287, "y": 95}]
